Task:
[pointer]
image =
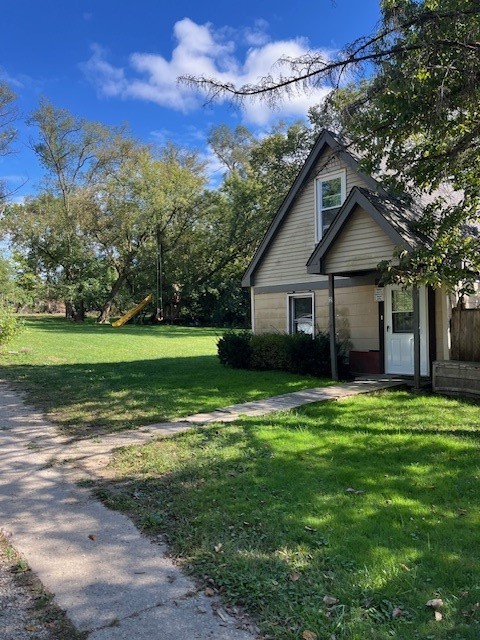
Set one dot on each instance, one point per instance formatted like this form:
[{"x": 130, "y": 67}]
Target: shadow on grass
[
  {"x": 261, "y": 511},
  {"x": 90, "y": 398},
  {"x": 63, "y": 325}
]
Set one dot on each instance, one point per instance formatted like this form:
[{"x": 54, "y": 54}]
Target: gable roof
[
  {"x": 325, "y": 140},
  {"x": 393, "y": 216}
]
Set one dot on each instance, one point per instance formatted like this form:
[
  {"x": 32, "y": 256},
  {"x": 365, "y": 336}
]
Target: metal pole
[
  {"x": 416, "y": 338},
  {"x": 333, "y": 331}
]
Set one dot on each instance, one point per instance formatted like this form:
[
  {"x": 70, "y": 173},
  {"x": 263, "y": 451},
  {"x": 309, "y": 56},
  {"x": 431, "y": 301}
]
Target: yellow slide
[{"x": 126, "y": 317}]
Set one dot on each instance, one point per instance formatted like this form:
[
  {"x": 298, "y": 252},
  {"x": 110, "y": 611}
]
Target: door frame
[{"x": 424, "y": 333}]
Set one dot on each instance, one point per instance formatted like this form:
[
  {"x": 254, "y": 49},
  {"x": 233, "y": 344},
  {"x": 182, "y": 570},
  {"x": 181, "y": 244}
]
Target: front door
[{"x": 399, "y": 331}]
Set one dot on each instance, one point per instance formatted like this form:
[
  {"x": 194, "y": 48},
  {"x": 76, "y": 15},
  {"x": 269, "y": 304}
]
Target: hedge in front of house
[
  {"x": 234, "y": 349},
  {"x": 297, "y": 353},
  {"x": 269, "y": 352}
]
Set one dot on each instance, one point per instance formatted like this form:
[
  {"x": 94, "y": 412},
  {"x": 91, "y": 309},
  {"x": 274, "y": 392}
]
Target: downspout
[
  {"x": 252, "y": 308},
  {"x": 333, "y": 331}
]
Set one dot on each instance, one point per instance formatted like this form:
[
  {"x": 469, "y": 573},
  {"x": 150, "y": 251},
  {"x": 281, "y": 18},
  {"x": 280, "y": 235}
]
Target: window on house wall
[
  {"x": 301, "y": 314},
  {"x": 330, "y": 195}
]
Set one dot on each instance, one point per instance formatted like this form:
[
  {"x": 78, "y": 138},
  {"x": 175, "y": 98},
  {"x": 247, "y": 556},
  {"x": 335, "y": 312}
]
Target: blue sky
[{"x": 116, "y": 61}]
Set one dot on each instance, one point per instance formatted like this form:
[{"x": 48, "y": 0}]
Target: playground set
[
  {"x": 158, "y": 315},
  {"x": 132, "y": 312}
]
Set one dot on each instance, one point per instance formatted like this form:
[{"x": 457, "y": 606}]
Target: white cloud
[
  {"x": 202, "y": 50},
  {"x": 257, "y": 35},
  {"x": 109, "y": 80}
]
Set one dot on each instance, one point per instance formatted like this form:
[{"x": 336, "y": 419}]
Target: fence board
[{"x": 465, "y": 333}]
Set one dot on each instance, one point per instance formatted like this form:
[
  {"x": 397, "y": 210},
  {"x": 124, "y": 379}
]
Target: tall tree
[
  {"x": 232, "y": 146},
  {"x": 66, "y": 263},
  {"x": 74, "y": 153},
  {"x": 233, "y": 218},
  {"x": 8, "y": 114},
  {"x": 148, "y": 204}
]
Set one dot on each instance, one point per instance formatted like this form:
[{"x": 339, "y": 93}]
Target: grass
[
  {"x": 372, "y": 501},
  {"x": 91, "y": 378}
]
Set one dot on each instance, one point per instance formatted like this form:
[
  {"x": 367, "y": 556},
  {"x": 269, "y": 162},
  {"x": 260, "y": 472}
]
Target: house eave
[{"x": 325, "y": 139}]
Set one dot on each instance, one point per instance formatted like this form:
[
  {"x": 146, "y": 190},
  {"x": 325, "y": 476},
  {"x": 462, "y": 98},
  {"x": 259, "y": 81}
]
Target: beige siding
[
  {"x": 285, "y": 260},
  {"x": 357, "y": 317},
  {"x": 271, "y": 312},
  {"x": 361, "y": 245},
  {"x": 330, "y": 163},
  {"x": 356, "y": 314}
]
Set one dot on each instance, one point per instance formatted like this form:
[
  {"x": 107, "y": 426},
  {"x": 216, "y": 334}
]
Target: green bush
[
  {"x": 307, "y": 356},
  {"x": 10, "y": 325},
  {"x": 234, "y": 349},
  {"x": 281, "y": 352},
  {"x": 270, "y": 352}
]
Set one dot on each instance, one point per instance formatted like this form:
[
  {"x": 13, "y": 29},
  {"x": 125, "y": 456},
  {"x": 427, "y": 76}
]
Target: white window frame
[
  {"x": 290, "y": 298},
  {"x": 342, "y": 174}
]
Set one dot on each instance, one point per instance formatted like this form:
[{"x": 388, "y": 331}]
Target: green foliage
[
  {"x": 297, "y": 353},
  {"x": 10, "y": 325},
  {"x": 234, "y": 349},
  {"x": 8, "y": 113},
  {"x": 310, "y": 356},
  {"x": 270, "y": 352}
]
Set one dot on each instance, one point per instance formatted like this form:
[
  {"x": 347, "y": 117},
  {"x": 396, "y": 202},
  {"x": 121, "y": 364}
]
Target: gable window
[
  {"x": 301, "y": 313},
  {"x": 330, "y": 195}
]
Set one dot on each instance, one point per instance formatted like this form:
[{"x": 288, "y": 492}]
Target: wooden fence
[{"x": 465, "y": 333}]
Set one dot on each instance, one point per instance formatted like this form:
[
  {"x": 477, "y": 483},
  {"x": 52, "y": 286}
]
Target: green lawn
[
  {"x": 373, "y": 501},
  {"x": 91, "y": 377}
]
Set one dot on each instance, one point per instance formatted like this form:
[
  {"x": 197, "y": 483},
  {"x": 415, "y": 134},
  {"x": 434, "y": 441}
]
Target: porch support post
[
  {"x": 416, "y": 338},
  {"x": 333, "y": 331}
]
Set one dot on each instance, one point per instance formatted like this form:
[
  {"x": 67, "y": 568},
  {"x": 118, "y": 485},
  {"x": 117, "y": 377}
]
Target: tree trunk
[
  {"x": 104, "y": 316},
  {"x": 79, "y": 315}
]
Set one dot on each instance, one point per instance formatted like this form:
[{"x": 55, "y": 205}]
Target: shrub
[
  {"x": 312, "y": 357},
  {"x": 270, "y": 352},
  {"x": 10, "y": 325},
  {"x": 281, "y": 352},
  {"x": 234, "y": 349}
]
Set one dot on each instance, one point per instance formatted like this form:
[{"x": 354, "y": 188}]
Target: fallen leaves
[
  {"x": 330, "y": 601},
  {"x": 309, "y": 635},
  {"x": 436, "y": 604}
]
